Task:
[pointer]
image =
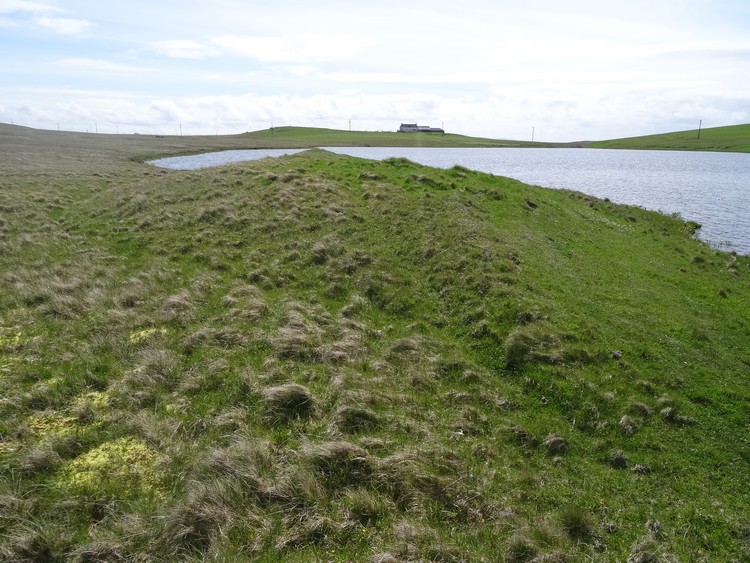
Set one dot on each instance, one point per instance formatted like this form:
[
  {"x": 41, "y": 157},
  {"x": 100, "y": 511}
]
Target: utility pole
[{"x": 700, "y": 124}]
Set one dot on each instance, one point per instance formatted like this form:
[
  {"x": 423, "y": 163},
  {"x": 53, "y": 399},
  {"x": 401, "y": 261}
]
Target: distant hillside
[
  {"x": 734, "y": 138},
  {"x": 335, "y": 137}
]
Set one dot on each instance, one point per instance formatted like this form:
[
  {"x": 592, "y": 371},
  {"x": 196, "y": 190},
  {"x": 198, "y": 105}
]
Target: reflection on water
[
  {"x": 710, "y": 188},
  {"x": 206, "y": 160}
]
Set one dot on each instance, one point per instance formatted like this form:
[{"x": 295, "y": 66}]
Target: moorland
[{"x": 319, "y": 357}]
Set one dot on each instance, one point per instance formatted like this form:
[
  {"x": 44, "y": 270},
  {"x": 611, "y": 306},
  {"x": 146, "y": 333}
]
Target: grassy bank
[
  {"x": 323, "y": 358},
  {"x": 734, "y": 138}
]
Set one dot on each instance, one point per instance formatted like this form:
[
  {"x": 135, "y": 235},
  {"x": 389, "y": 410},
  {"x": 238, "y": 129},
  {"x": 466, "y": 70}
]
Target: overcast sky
[{"x": 571, "y": 70}]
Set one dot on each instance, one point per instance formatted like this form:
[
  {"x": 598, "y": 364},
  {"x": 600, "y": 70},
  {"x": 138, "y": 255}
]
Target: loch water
[{"x": 711, "y": 188}]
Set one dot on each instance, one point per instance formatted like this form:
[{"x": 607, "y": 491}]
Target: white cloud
[
  {"x": 300, "y": 49},
  {"x": 99, "y": 65},
  {"x": 181, "y": 49},
  {"x": 44, "y": 15},
  {"x": 11, "y": 6},
  {"x": 568, "y": 117},
  {"x": 65, "y": 26},
  {"x": 463, "y": 78},
  {"x": 111, "y": 96}
]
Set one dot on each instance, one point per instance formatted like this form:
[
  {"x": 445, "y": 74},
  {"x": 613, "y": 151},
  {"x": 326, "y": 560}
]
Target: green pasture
[{"x": 324, "y": 358}]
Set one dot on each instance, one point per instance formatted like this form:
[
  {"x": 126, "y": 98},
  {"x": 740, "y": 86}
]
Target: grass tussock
[
  {"x": 288, "y": 402},
  {"x": 318, "y": 357}
]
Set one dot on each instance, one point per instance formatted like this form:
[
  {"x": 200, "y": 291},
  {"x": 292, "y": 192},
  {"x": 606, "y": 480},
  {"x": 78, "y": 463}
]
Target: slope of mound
[{"x": 320, "y": 357}]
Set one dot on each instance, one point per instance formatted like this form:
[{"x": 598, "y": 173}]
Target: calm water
[
  {"x": 206, "y": 160},
  {"x": 710, "y": 188}
]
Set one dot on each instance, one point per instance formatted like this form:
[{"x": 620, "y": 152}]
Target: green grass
[
  {"x": 734, "y": 138},
  {"x": 324, "y": 358}
]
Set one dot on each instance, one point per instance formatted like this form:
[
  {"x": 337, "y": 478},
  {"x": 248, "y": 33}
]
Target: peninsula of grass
[
  {"x": 323, "y": 358},
  {"x": 733, "y": 138}
]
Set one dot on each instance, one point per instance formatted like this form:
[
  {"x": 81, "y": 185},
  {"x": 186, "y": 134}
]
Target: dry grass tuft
[
  {"x": 339, "y": 463},
  {"x": 157, "y": 367},
  {"x": 617, "y": 459},
  {"x": 178, "y": 308},
  {"x": 288, "y": 402},
  {"x": 223, "y": 337},
  {"x": 520, "y": 549},
  {"x": 301, "y": 336},
  {"x": 245, "y": 301},
  {"x": 365, "y": 506},
  {"x": 314, "y": 530},
  {"x": 577, "y": 524},
  {"x": 348, "y": 348},
  {"x": 354, "y": 419},
  {"x": 523, "y": 437},
  {"x": 41, "y": 459},
  {"x": 517, "y": 347},
  {"x": 470, "y": 422},
  {"x": 639, "y": 409},
  {"x": 36, "y": 542},
  {"x": 555, "y": 444},
  {"x": 670, "y": 414},
  {"x": 628, "y": 425},
  {"x": 649, "y": 550},
  {"x": 418, "y": 543},
  {"x": 196, "y": 521},
  {"x": 356, "y": 305},
  {"x": 100, "y": 551}
]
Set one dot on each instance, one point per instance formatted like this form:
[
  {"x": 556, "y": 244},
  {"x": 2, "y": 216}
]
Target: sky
[{"x": 558, "y": 70}]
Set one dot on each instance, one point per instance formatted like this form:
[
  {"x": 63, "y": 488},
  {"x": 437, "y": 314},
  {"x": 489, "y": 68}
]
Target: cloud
[
  {"x": 65, "y": 26},
  {"x": 99, "y": 66},
  {"x": 299, "y": 49},
  {"x": 11, "y": 6},
  {"x": 567, "y": 117},
  {"x": 167, "y": 111},
  {"x": 44, "y": 15},
  {"x": 111, "y": 95},
  {"x": 415, "y": 78},
  {"x": 181, "y": 49}
]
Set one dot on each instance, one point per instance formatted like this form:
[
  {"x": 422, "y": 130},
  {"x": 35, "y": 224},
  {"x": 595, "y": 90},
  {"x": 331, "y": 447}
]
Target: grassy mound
[{"x": 319, "y": 357}]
